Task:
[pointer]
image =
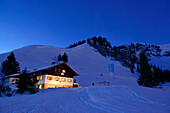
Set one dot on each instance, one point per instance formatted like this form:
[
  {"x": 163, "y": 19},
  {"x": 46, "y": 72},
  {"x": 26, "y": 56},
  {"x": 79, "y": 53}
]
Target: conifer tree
[
  {"x": 22, "y": 82},
  {"x": 89, "y": 41},
  {"x": 144, "y": 77},
  {"x": 94, "y": 39},
  {"x": 65, "y": 58},
  {"x": 59, "y": 57},
  {"x": 10, "y": 66},
  {"x": 26, "y": 82}
]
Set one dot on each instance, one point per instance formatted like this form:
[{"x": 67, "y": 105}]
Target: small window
[
  {"x": 41, "y": 77},
  {"x": 69, "y": 80},
  {"x": 63, "y": 71},
  {"x": 57, "y": 79},
  {"x": 49, "y": 78},
  {"x": 38, "y": 78},
  {"x": 40, "y": 86},
  {"x": 63, "y": 79}
]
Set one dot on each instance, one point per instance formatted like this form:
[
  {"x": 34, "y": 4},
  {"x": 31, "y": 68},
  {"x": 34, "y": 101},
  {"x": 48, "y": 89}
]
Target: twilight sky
[{"x": 60, "y": 23}]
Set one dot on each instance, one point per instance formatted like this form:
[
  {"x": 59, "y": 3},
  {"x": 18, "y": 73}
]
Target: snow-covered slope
[
  {"x": 91, "y": 66},
  {"x": 123, "y": 95},
  {"x": 165, "y": 47},
  {"x": 164, "y": 61}
]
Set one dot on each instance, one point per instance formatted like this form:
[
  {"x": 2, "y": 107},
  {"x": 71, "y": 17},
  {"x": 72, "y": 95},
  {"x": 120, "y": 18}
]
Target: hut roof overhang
[{"x": 54, "y": 65}]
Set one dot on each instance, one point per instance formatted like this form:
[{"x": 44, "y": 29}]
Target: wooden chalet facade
[
  {"x": 60, "y": 75},
  {"x": 53, "y": 76}
]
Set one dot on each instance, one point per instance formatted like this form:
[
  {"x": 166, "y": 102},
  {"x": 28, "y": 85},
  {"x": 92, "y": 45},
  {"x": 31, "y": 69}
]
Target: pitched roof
[{"x": 51, "y": 66}]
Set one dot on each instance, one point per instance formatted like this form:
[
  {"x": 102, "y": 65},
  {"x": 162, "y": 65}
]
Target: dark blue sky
[{"x": 62, "y": 22}]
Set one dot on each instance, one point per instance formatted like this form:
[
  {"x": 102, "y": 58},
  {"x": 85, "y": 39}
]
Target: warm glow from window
[
  {"x": 64, "y": 71},
  {"x": 69, "y": 80},
  {"x": 63, "y": 80},
  {"x": 57, "y": 79},
  {"x": 41, "y": 77},
  {"x": 38, "y": 78},
  {"x": 40, "y": 86},
  {"x": 49, "y": 78}
]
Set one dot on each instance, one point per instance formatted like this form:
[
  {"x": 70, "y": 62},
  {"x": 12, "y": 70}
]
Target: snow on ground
[
  {"x": 123, "y": 95},
  {"x": 162, "y": 62},
  {"x": 165, "y": 47},
  {"x": 99, "y": 99}
]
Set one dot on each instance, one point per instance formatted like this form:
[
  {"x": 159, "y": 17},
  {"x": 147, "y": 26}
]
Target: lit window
[
  {"x": 64, "y": 71},
  {"x": 57, "y": 79},
  {"x": 69, "y": 80},
  {"x": 63, "y": 80},
  {"x": 49, "y": 78},
  {"x": 38, "y": 78},
  {"x": 40, "y": 86},
  {"x": 41, "y": 77}
]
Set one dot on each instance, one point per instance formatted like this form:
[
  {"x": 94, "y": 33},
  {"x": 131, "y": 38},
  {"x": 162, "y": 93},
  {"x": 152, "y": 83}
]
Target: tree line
[{"x": 151, "y": 76}]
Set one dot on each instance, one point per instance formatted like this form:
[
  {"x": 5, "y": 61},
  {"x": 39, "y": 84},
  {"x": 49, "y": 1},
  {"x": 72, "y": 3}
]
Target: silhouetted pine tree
[
  {"x": 89, "y": 41},
  {"x": 26, "y": 82},
  {"x": 100, "y": 40},
  {"x": 79, "y": 43},
  {"x": 65, "y": 58},
  {"x": 144, "y": 78},
  {"x": 167, "y": 75},
  {"x": 10, "y": 66},
  {"x": 83, "y": 41},
  {"x": 22, "y": 82},
  {"x": 94, "y": 40},
  {"x": 59, "y": 58}
]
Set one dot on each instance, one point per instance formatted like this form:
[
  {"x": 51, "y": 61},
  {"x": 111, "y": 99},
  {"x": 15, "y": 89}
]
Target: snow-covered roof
[{"x": 13, "y": 75}]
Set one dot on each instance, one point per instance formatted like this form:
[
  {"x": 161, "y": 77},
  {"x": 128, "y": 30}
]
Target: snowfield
[
  {"x": 99, "y": 99},
  {"x": 124, "y": 95}
]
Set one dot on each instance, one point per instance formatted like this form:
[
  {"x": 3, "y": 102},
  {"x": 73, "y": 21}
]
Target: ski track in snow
[{"x": 103, "y": 99}]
